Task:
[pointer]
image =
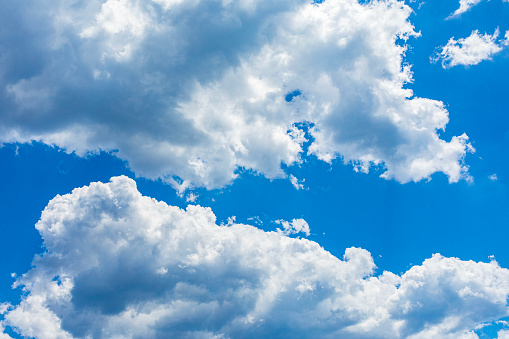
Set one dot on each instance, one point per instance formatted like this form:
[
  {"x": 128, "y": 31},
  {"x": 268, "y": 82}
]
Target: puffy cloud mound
[
  {"x": 121, "y": 265},
  {"x": 190, "y": 91},
  {"x": 469, "y": 51}
]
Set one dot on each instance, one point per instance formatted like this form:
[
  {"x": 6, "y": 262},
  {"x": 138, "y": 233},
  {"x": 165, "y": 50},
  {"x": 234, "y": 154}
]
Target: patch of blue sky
[
  {"x": 400, "y": 225},
  {"x": 291, "y": 95},
  {"x": 490, "y": 330}
]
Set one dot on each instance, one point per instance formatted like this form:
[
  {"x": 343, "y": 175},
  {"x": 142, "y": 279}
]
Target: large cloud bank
[
  {"x": 196, "y": 89},
  {"x": 121, "y": 265}
]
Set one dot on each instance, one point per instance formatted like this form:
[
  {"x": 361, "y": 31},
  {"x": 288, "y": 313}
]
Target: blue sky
[{"x": 381, "y": 126}]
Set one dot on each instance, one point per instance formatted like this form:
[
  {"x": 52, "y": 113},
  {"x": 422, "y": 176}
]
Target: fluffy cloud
[
  {"x": 3, "y": 310},
  {"x": 469, "y": 51},
  {"x": 190, "y": 91},
  {"x": 121, "y": 265},
  {"x": 295, "y": 226}
]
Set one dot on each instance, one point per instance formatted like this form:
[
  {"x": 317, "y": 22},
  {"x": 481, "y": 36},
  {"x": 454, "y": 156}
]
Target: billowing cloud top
[
  {"x": 196, "y": 89},
  {"x": 121, "y": 265}
]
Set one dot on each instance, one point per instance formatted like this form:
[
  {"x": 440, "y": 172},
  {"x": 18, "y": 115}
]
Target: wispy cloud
[{"x": 465, "y": 6}]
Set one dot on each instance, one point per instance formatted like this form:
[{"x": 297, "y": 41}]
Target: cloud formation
[
  {"x": 469, "y": 51},
  {"x": 465, "y": 6},
  {"x": 295, "y": 226},
  {"x": 190, "y": 91},
  {"x": 121, "y": 265}
]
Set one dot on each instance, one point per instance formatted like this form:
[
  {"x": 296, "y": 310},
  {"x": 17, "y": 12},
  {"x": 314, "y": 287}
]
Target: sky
[{"x": 251, "y": 168}]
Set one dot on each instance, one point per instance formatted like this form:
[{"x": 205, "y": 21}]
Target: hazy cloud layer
[
  {"x": 469, "y": 51},
  {"x": 121, "y": 265},
  {"x": 196, "y": 89}
]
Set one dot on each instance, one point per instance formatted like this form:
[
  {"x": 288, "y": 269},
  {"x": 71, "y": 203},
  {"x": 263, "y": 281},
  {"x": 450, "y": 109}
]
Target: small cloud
[
  {"x": 191, "y": 197},
  {"x": 465, "y": 5},
  {"x": 468, "y": 51},
  {"x": 293, "y": 227},
  {"x": 256, "y": 220},
  {"x": 493, "y": 177},
  {"x": 506, "y": 40},
  {"x": 162, "y": 271},
  {"x": 295, "y": 182}
]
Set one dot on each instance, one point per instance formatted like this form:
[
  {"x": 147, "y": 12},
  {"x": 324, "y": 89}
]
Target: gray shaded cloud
[
  {"x": 197, "y": 89},
  {"x": 121, "y": 265}
]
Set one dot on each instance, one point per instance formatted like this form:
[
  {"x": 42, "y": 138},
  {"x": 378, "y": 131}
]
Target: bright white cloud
[
  {"x": 469, "y": 51},
  {"x": 295, "y": 182},
  {"x": 465, "y": 5},
  {"x": 121, "y": 265},
  {"x": 196, "y": 89},
  {"x": 493, "y": 177},
  {"x": 295, "y": 226}
]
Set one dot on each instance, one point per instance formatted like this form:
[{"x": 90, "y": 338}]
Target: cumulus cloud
[
  {"x": 121, "y": 265},
  {"x": 469, "y": 51},
  {"x": 190, "y": 91},
  {"x": 3, "y": 309}
]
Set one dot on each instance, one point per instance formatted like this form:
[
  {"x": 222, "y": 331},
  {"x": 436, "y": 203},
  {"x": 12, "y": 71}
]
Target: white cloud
[
  {"x": 468, "y": 51},
  {"x": 295, "y": 182},
  {"x": 196, "y": 89},
  {"x": 191, "y": 197},
  {"x": 120, "y": 265},
  {"x": 295, "y": 226},
  {"x": 465, "y": 5},
  {"x": 3, "y": 309},
  {"x": 493, "y": 177}
]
